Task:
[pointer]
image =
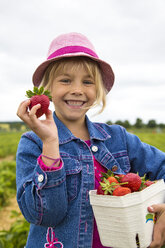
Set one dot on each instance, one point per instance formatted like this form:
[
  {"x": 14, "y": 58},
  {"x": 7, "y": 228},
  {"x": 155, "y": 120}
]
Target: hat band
[{"x": 72, "y": 49}]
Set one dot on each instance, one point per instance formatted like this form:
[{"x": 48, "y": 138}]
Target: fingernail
[{"x": 151, "y": 209}]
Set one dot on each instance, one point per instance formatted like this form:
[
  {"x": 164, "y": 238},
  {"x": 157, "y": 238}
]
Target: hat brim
[{"x": 106, "y": 70}]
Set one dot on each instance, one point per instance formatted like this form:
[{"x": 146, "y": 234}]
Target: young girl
[{"x": 62, "y": 158}]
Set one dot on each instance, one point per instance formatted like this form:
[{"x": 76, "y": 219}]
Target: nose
[
  {"x": 76, "y": 92},
  {"x": 76, "y": 89}
]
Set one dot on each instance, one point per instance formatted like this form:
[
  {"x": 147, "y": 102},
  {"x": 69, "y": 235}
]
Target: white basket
[{"x": 122, "y": 220}]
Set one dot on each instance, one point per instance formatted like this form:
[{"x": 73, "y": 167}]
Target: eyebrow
[
  {"x": 68, "y": 75},
  {"x": 63, "y": 74}
]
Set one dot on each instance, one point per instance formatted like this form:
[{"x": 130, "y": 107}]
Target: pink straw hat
[{"x": 73, "y": 45}]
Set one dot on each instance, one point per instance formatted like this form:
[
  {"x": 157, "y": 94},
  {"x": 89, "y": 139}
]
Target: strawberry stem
[{"x": 38, "y": 91}]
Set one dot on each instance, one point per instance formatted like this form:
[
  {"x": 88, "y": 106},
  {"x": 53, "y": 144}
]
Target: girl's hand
[
  {"x": 159, "y": 227},
  {"x": 45, "y": 129}
]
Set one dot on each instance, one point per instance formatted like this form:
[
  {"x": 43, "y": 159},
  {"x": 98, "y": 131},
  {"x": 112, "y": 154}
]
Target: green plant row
[
  {"x": 7, "y": 181},
  {"x": 16, "y": 236}
]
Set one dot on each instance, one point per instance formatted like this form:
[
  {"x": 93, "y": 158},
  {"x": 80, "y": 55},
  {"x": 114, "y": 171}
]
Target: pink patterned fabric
[
  {"x": 47, "y": 168},
  {"x": 98, "y": 169}
]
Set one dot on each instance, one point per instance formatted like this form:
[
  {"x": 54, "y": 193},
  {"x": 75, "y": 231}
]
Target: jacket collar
[{"x": 95, "y": 131}]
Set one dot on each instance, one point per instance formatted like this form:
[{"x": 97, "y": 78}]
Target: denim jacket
[{"x": 56, "y": 203}]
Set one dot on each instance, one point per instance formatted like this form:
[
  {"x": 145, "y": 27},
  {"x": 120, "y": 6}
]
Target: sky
[{"x": 127, "y": 34}]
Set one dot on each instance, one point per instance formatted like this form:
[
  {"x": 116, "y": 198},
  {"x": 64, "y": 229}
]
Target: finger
[
  {"x": 22, "y": 109},
  {"x": 23, "y": 105},
  {"x": 156, "y": 208},
  {"x": 32, "y": 113},
  {"x": 49, "y": 115}
]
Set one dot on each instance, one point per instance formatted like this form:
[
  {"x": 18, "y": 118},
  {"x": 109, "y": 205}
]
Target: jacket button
[
  {"x": 94, "y": 148},
  {"x": 114, "y": 168},
  {"x": 40, "y": 178}
]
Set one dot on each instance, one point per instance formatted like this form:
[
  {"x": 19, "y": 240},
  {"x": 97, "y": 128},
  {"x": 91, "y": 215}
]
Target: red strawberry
[
  {"x": 148, "y": 183},
  {"x": 108, "y": 187},
  {"x": 39, "y": 96},
  {"x": 100, "y": 191},
  {"x": 112, "y": 179},
  {"x": 145, "y": 183},
  {"x": 132, "y": 180},
  {"x": 119, "y": 177},
  {"x": 119, "y": 191}
]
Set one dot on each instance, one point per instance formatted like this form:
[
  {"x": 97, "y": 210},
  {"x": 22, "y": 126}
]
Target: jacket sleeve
[
  {"x": 144, "y": 158},
  {"x": 41, "y": 195}
]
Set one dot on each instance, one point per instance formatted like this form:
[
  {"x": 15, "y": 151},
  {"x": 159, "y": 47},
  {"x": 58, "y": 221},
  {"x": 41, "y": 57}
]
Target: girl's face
[{"x": 73, "y": 92}]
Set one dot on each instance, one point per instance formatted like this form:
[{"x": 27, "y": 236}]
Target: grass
[
  {"x": 154, "y": 139},
  {"x": 8, "y": 143}
]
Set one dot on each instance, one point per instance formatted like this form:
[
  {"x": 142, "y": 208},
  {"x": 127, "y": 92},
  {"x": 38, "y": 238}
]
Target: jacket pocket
[
  {"x": 73, "y": 175},
  {"x": 123, "y": 160}
]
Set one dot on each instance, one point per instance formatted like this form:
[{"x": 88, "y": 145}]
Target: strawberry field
[
  {"x": 13, "y": 228},
  {"x": 14, "y": 233}
]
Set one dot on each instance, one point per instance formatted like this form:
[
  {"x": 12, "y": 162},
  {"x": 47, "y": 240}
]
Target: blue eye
[
  {"x": 88, "y": 82},
  {"x": 65, "y": 80}
]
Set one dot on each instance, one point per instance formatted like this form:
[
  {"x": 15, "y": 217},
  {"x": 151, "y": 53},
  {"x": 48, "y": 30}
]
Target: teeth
[{"x": 75, "y": 103}]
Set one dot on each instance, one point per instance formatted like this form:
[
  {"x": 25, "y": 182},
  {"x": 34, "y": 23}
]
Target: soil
[
  {"x": 5, "y": 214},
  {"x": 8, "y": 158}
]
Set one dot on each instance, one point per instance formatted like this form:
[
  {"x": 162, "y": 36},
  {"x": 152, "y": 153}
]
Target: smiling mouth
[{"x": 75, "y": 104}]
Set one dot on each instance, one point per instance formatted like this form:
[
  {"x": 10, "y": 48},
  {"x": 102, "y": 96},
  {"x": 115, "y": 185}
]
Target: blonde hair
[{"x": 92, "y": 68}]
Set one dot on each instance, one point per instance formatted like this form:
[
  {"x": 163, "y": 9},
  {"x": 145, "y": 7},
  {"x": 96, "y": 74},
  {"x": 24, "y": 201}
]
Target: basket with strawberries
[
  {"x": 119, "y": 185},
  {"x": 120, "y": 208}
]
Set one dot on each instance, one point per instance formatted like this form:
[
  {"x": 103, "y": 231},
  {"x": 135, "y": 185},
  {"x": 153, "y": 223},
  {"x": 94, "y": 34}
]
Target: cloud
[
  {"x": 135, "y": 102},
  {"x": 127, "y": 34},
  {"x": 142, "y": 74}
]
